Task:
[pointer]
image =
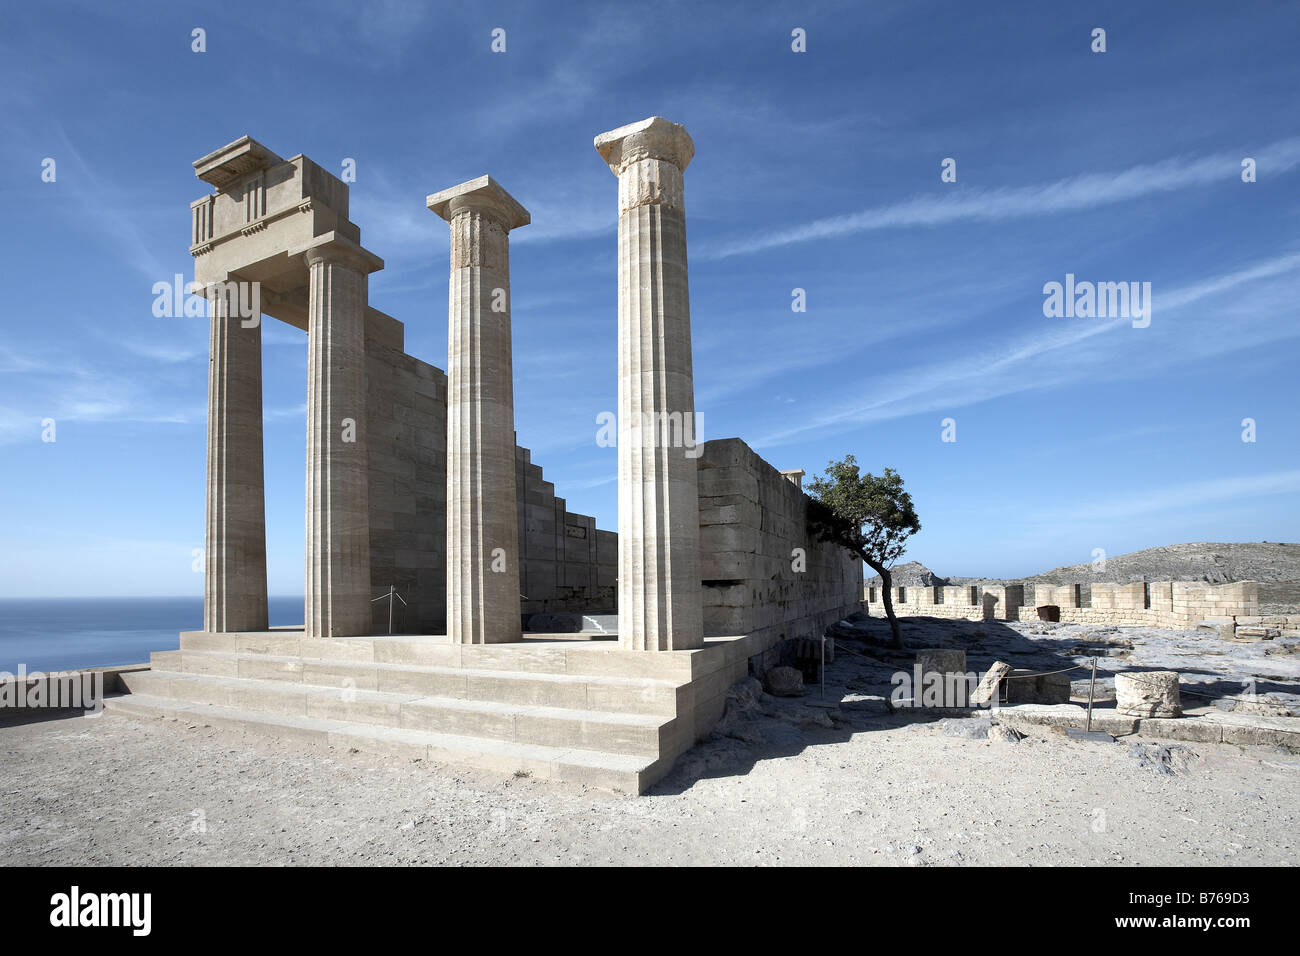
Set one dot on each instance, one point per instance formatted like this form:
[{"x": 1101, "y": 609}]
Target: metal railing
[{"x": 392, "y": 597}]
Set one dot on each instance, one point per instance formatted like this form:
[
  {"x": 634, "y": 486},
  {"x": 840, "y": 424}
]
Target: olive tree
[{"x": 870, "y": 515}]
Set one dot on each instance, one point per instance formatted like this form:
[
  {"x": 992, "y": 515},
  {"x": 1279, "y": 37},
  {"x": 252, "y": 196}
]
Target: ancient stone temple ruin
[{"x": 415, "y": 481}]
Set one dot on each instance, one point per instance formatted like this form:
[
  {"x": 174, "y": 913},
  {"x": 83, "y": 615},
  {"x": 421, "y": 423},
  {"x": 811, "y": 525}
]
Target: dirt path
[{"x": 874, "y": 790}]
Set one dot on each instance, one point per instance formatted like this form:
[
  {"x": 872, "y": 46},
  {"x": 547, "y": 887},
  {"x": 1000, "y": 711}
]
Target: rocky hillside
[
  {"x": 913, "y": 574},
  {"x": 1214, "y": 562},
  {"x": 1217, "y": 562}
]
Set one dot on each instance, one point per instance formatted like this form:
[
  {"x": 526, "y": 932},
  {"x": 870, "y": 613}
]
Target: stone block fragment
[{"x": 1148, "y": 694}]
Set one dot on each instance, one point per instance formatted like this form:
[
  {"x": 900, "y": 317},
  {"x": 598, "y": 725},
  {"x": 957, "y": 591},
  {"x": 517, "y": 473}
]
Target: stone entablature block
[{"x": 264, "y": 207}]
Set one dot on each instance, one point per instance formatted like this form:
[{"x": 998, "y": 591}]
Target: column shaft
[
  {"x": 338, "y": 521},
  {"x": 234, "y": 584},
  {"x": 659, "y": 593},
  {"x": 482, "y": 519}
]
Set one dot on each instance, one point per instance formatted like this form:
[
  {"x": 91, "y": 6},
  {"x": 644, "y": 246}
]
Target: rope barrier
[
  {"x": 1074, "y": 667},
  {"x": 839, "y": 647}
]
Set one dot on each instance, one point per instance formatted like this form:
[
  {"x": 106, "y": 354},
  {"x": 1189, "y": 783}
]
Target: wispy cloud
[
  {"x": 284, "y": 411},
  {"x": 993, "y": 205},
  {"x": 1013, "y": 366},
  {"x": 1222, "y": 283},
  {"x": 1177, "y": 498},
  {"x": 166, "y": 352},
  {"x": 395, "y": 221},
  {"x": 583, "y": 484},
  {"x": 14, "y": 362},
  {"x": 773, "y": 362},
  {"x": 68, "y": 390},
  {"x": 90, "y": 191},
  {"x": 280, "y": 333},
  {"x": 399, "y": 227}
]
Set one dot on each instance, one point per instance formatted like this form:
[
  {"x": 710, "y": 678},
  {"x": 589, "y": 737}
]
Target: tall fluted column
[
  {"x": 659, "y": 602},
  {"x": 482, "y": 521},
  {"x": 338, "y": 520},
  {"x": 234, "y": 581}
]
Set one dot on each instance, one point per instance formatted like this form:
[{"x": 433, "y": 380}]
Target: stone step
[
  {"x": 647, "y": 735},
  {"x": 618, "y": 772},
  {"x": 637, "y": 695},
  {"x": 589, "y": 658}
]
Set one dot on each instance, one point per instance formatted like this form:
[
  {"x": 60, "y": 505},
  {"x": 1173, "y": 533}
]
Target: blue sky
[{"x": 816, "y": 170}]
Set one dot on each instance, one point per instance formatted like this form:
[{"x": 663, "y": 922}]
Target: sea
[{"x": 49, "y": 634}]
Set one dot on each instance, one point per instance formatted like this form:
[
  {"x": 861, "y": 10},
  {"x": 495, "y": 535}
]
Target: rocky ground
[
  {"x": 1213, "y": 672},
  {"x": 807, "y": 780}
]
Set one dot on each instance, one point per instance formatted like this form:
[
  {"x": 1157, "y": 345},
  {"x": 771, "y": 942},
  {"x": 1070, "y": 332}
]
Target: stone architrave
[
  {"x": 482, "y": 518},
  {"x": 659, "y": 592}
]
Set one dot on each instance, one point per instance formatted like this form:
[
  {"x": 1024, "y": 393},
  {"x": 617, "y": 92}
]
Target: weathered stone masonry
[
  {"x": 1171, "y": 604},
  {"x": 407, "y": 414},
  {"x": 415, "y": 480},
  {"x": 569, "y": 565},
  {"x": 959, "y": 602},
  {"x": 762, "y": 573},
  {"x": 1164, "y": 604},
  {"x": 377, "y": 498},
  {"x": 376, "y": 514}
]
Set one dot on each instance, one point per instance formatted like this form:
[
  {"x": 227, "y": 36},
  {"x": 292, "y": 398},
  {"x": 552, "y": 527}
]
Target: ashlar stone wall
[
  {"x": 956, "y": 602},
  {"x": 406, "y": 414},
  {"x": 1167, "y": 604},
  {"x": 752, "y": 520},
  {"x": 569, "y": 565},
  {"x": 566, "y": 563},
  {"x": 1170, "y": 604}
]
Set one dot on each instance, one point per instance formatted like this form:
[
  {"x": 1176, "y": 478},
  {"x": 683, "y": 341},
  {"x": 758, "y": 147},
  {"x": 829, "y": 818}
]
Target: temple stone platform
[{"x": 583, "y": 711}]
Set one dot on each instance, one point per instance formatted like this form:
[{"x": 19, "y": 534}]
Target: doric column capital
[
  {"x": 333, "y": 247},
  {"x": 483, "y": 195},
  {"x": 651, "y": 138}
]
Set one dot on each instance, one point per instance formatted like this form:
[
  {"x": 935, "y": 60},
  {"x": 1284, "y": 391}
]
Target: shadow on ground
[{"x": 860, "y": 679}]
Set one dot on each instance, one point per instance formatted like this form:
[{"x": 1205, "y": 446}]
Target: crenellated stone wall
[
  {"x": 958, "y": 602},
  {"x": 1166, "y": 604},
  {"x": 1169, "y": 604}
]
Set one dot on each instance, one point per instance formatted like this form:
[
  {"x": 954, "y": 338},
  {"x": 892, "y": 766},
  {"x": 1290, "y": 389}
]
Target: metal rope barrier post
[
  {"x": 392, "y": 593},
  {"x": 1091, "y": 685}
]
